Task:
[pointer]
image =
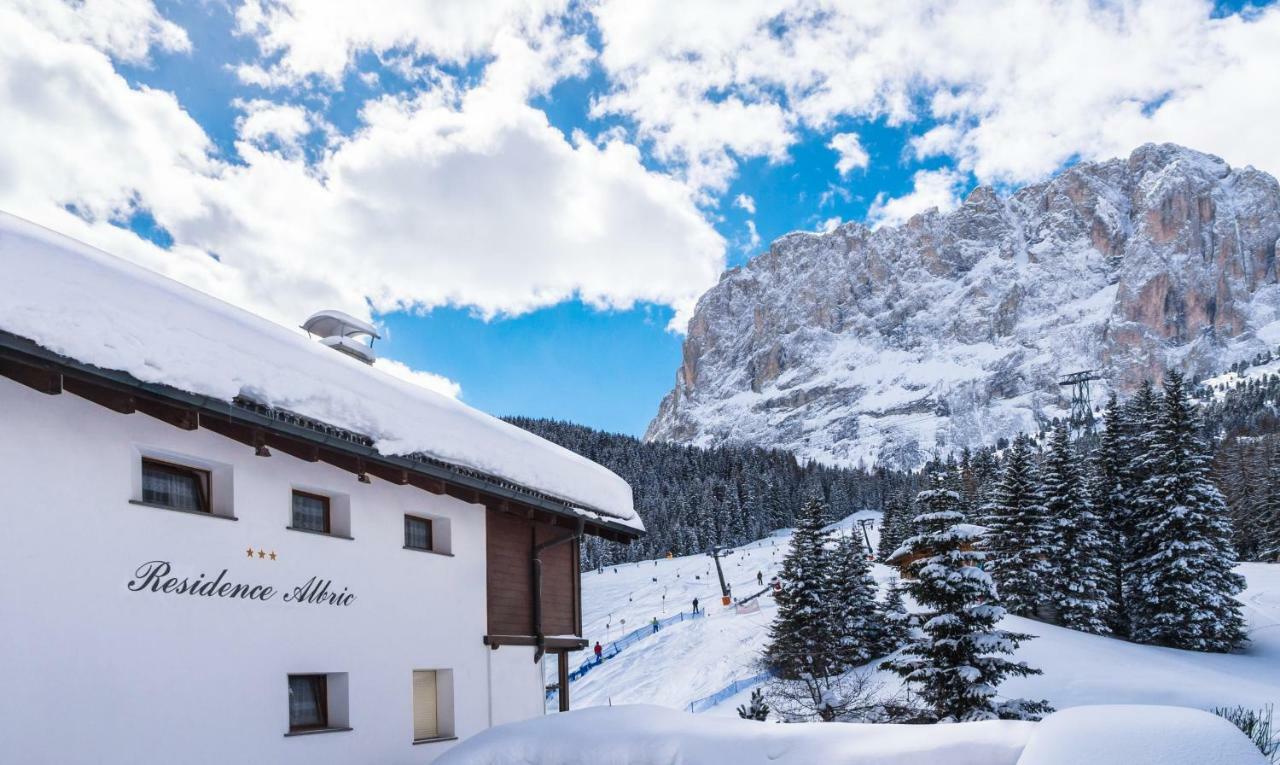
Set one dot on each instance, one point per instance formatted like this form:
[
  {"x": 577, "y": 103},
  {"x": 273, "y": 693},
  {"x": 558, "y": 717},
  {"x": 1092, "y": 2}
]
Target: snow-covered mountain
[{"x": 953, "y": 329}]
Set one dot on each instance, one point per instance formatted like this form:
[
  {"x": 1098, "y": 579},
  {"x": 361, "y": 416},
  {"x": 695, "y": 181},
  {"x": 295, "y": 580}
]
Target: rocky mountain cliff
[{"x": 953, "y": 329}]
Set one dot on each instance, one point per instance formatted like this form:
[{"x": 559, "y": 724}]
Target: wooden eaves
[{"x": 256, "y": 426}]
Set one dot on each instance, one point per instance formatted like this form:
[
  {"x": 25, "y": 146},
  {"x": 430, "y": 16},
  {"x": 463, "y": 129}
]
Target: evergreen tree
[
  {"x": 757, "y": 710},
  {"x": 1015, "y": 540},
  {"x": 1267, "y": 516},
  {"x": 893, "y": 524},
  {"x": 1108, "y": 481},
  {"x": 801, "y": 641},
  {"x": 1076, "y": 543},
  {"x": 1180, "y": 583},
  {"x": 855, "y": 614},
  {"x": 897, "y": 622},
  {"x": 954, "y": 660}
]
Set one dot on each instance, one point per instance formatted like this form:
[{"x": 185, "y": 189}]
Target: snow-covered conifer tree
[
  {"x": 1180, "y": 585},
  {"x": 1267, "y": 515},
  {"x": 954, "y": 660},
  {"x": 897, "y": 622},
  {"x": 1015, "y": 541},
  {"x": 1107, "y": 487},
  {"x": 800, "y": 639},
  {"x": 758, "y": 709},
  {"x": 855, "y": 613},
  {"x": 1076, "y": 542}
]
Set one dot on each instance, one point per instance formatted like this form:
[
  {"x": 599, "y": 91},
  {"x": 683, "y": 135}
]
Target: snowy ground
[
  {"x": 693, "y": 659},
  {"x": 649, "y": 735}
]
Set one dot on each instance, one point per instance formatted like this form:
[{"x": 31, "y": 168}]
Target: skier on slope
[
  {"x": 655, "y": 625},
  {"x": 760, "y": 578},
  {"x": 599, "y": 652},
  {"x": 695, "y": 605}
]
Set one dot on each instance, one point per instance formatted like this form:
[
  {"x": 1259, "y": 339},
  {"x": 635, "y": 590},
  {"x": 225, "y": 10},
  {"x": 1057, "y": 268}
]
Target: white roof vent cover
[{"x": 343, "y": 333}]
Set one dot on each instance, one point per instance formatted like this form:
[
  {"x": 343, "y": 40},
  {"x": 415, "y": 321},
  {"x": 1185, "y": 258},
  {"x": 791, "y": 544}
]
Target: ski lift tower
[
  {"x": 714, "y": 552},
  {"x": 1081, "y": 405}
]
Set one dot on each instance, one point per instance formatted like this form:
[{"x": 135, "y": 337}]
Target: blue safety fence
[
  {"x": 615, "y": 647},
  {"x": 729, "y": 691}
]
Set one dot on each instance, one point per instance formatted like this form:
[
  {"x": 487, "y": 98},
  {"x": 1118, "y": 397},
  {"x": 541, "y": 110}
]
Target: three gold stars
[{"x": 260, "y": 553}]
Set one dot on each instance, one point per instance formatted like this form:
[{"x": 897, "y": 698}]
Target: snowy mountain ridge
[{"x": 952, "y": 330}]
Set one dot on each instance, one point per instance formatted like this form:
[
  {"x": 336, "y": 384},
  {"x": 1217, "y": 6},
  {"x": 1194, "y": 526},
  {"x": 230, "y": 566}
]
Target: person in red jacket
[{"x": 599, "y": 652}]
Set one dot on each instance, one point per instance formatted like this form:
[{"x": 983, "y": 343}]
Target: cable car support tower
[{"x": 1081, "y": 405}]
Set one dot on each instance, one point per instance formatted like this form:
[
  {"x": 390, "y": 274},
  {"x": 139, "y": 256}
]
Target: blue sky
[{"x": 394, "y": 159}]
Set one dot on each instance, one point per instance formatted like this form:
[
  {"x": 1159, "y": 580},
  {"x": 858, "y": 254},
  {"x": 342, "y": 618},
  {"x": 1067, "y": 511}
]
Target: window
[
  {"x": 310, "y": 512},
  {"x": 175, "y": 486},
  {"x": 308, "y": 702},
  {"x": 426, "y": 721},
  {"x": 417, "y": 533}
]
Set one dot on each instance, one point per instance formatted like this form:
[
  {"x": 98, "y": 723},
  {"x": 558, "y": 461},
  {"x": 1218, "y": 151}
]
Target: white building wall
[{"x": 94, "y": 672}]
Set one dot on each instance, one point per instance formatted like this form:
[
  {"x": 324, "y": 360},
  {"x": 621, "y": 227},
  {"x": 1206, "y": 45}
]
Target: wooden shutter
[{"x": 425, "y": 720}]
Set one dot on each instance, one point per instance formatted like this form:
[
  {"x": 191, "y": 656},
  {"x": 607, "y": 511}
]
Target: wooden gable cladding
[{"x": 510, "y": 542}]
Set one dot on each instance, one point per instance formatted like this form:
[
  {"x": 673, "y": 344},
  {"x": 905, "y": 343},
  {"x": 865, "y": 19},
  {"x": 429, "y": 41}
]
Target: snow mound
[
  {"x": 98, "y": 309},
  {"x": 648, "y": 735},
  {"x": 1131, "y": 735}
]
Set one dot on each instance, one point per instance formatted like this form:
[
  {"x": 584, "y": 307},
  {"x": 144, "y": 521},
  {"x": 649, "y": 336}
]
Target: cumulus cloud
[
  {"x": 125, "y": 29},
  {"x": 429, "y": 380},
  {"x": 850, "y": 154},
  {"x": 319, "y": 39},
  {"x": 1010, "y": 91},
  {"x": 745, "y": 202},
  {"x": 829, "y": 225},
  {"x": 938, "y": 189},
  {"x": 443, "y": 196}
]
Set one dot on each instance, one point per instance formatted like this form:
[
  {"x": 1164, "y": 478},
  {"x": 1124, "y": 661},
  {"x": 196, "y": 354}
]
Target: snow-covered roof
[{"x": 97, "y": 309}]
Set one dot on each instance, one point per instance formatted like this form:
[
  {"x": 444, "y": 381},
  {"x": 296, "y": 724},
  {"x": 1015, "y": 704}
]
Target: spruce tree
[
  {"x": 801, "y": 641},
  {"x": 1180, "y": 584},
  {"x": 758, "y": 709},
  {"x": 1108, "y": 481},
  {"x": 897, "y": 621},
  {"x": 1015, "y": 540},
  {"x": 891, "y": 525},
  {"x": 1077, "y": 546},
  {"x": 954, "y": 660},
  {"x": 855, "y": 614},
  {"x": 1267, "y": 515}
]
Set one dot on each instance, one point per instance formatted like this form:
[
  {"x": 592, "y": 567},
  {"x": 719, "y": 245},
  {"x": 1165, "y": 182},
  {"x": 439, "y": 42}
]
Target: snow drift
[{"x": 646, "y": 735}]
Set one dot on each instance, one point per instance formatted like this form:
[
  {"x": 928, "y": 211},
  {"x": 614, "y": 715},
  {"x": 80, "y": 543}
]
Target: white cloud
[
  {"x": 930, "y": 189},
  {"x": 429, "y": 380},
  {"x": 753, "y": 236},
  {"x": 851, "y": 155},
  {"x": 319, "y": 39},
  {"x": 1011, "y": 90},
  {"x": 447, "y": 196},
  {"x": 124, "y": 29},
  {"x": 267, "y": 126},
  {"x": 745, "y": 202},
  {"x": 829, "y": 225}
]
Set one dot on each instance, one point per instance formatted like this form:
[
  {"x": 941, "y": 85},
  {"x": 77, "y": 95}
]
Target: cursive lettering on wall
[{"x": 155, "y": 576}]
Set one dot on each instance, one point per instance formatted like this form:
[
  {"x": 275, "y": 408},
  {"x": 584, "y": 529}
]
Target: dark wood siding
[{"x": 510, "y": 541}]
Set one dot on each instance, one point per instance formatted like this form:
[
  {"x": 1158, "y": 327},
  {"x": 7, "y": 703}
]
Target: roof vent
[{"x": 343, "y": 333}]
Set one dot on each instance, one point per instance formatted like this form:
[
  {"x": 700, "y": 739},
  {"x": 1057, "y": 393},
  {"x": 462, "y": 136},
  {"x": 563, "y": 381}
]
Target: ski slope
[{"x": 693, "y": 659}]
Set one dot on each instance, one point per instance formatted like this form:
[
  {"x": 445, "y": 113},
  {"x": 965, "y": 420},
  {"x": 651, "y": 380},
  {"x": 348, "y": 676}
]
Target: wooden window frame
[
  {"x": 328, "y": 512},
  {"x": 431, "y": 533},
  {"x": 322, "y": 702},
  {"x": 204, "y": 484}
]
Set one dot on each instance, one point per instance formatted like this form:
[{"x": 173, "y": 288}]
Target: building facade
[{"x": 196, "y": 580}]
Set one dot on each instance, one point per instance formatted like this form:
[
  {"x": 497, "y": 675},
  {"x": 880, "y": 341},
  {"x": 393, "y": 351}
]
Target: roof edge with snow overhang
[{"x": 67, "y": 308}]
